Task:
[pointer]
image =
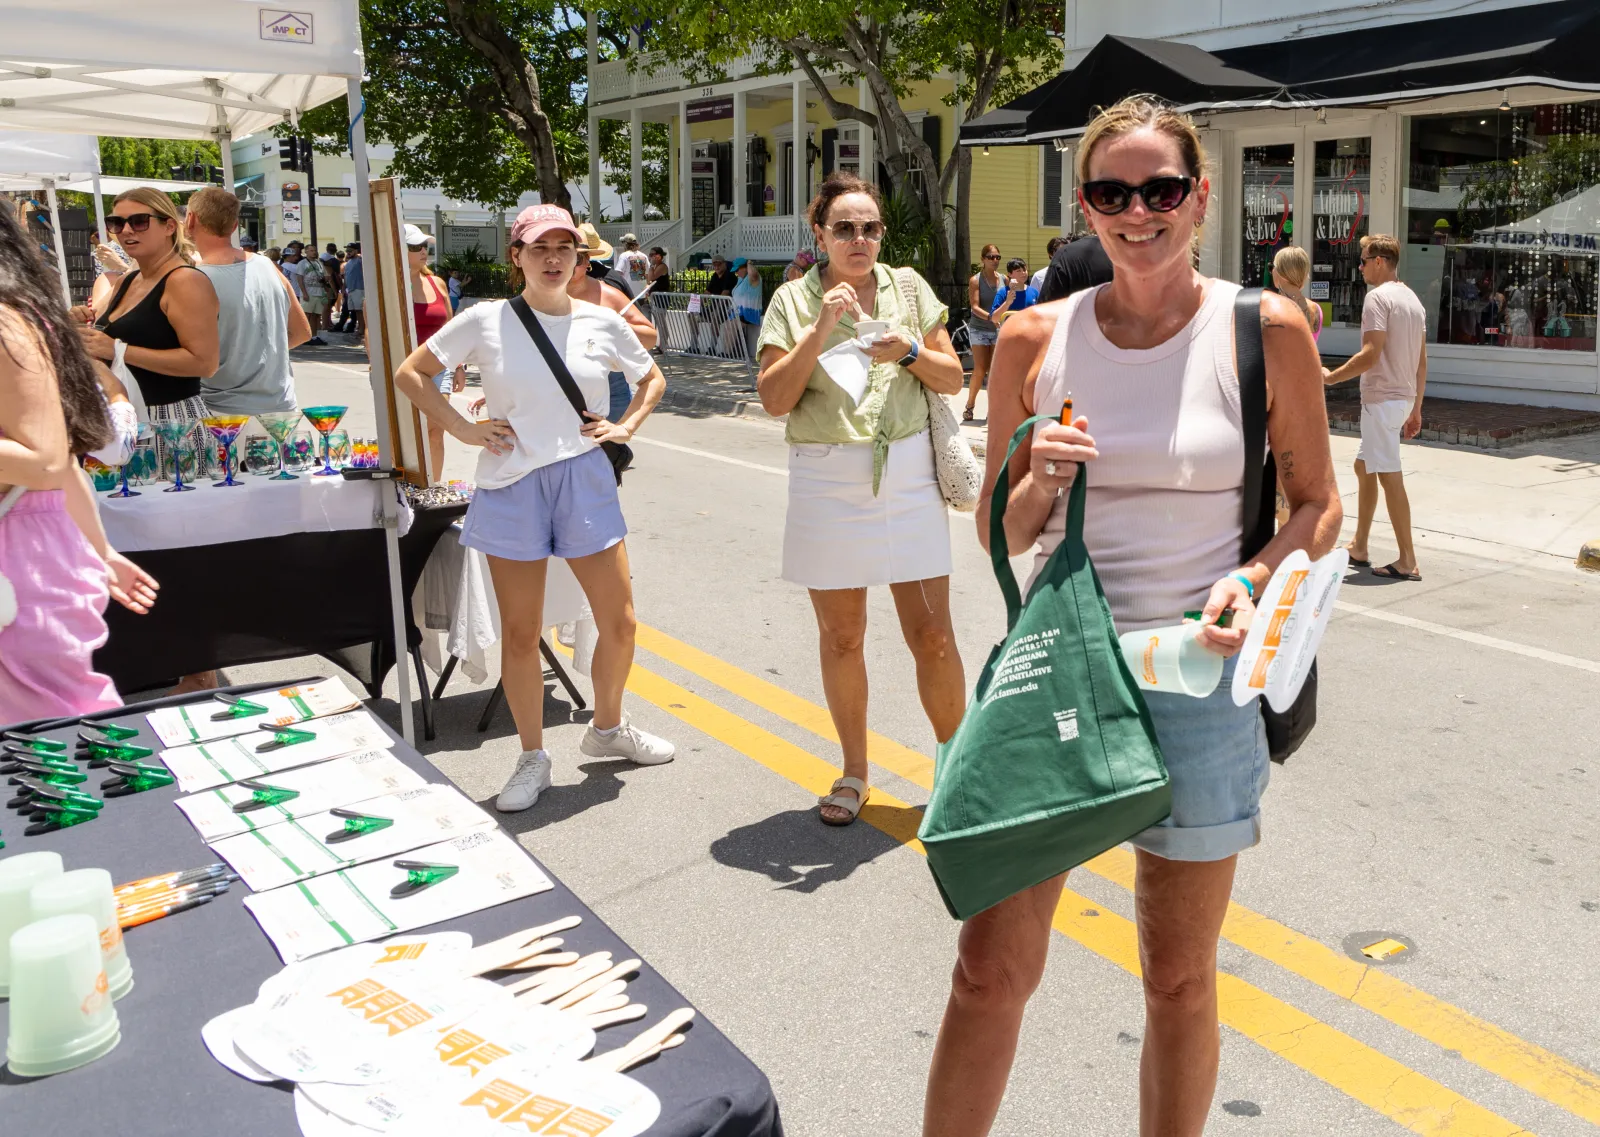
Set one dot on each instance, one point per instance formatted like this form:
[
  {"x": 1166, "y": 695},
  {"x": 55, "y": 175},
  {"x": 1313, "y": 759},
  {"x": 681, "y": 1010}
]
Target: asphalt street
[{"x": 1447, "y": 800}]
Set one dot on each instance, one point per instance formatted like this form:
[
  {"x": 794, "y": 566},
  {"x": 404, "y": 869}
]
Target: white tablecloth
[
  {"x": 456, "y": 603},
  {"x": 258, "y": 508}
]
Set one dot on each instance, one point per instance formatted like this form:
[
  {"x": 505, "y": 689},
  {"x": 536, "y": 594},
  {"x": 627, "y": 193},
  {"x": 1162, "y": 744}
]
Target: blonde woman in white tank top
[{"x": 1149, "y": 362}]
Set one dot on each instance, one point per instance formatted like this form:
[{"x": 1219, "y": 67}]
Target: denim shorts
[
  {"x": 982, "y": 337},
  {"x": 568, "y": 509},
  {"x": 1216, "y": 755}
]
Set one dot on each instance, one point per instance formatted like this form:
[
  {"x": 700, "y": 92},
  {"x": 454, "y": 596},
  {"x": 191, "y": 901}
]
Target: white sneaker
[
  {"x": 628, "y": 742},
  {"x": 527, "y": 782}
]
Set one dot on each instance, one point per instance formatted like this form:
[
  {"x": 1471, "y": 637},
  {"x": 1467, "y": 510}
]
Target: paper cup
[
  {"x": 1171, "y": 659},
  {"x": 18, "y": 875},
  {"x": 88, "y": 891},
  {"x": 61, "y": 1012}
]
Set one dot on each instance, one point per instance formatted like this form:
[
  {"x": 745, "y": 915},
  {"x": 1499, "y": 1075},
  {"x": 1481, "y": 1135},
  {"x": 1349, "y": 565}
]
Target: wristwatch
[{"x": 909, "y": 357}]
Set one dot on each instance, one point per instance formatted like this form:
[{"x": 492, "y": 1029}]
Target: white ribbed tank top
[{"x": 1163, "y": 521}]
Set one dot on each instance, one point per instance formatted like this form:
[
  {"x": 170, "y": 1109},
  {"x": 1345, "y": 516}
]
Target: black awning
[{"x": 1549, "y": 44}]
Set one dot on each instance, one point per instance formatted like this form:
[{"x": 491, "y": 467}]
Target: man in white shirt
[
  {"x": 1393, "y": 365},
  {"x": 1051, "y": 247},
  {"x": 632, "y": 263}
]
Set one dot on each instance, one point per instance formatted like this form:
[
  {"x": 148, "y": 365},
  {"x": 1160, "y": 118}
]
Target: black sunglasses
[
  {"x": 138, "y": 222},
  {"x": 1161, "y": 195}
]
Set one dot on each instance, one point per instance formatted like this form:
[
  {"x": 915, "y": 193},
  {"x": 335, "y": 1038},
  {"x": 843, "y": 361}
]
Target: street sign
[
  {"x": 333, "y": 191},
  {"x": 293, "y": 220},
  {"x": 291, "y": 191}
]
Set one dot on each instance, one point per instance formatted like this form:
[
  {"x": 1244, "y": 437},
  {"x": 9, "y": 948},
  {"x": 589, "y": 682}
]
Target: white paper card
[
  {"x": 1291, "y": 616},
  {"x": 300, "y": 849},
  {"x": 568, "y": 1098},
  {"x": 220, "y": 761},
  {"x": 326, "y": 785},
  {"x": 176, "y": 726},
  {"x": 353, "y": 905},
  {"x": 847, "y": 365},
  {"x": 456, "y": 1058}
]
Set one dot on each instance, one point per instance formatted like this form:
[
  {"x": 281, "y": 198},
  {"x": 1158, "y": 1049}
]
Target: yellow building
[{"x": 749, "y": 200}]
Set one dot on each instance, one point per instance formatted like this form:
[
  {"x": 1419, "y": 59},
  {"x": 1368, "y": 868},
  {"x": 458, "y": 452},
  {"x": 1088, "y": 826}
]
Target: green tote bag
[{"x": 1056, "y": 759}]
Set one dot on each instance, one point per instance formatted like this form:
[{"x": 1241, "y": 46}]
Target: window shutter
[
  {"x": 1050, "y": 203},
  {"x": 829, "y": 138},
  {"x": 930, "y": 134}
]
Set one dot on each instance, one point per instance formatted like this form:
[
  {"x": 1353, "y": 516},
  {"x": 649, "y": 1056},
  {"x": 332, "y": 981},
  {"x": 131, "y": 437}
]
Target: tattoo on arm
[{"x": 1286, "y": 466}]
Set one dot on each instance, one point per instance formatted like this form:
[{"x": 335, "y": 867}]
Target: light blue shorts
[
  {"x": 1217, "y": 758},
  {"x": 982, "y": 337},
  {"x": 568, "y": 509}
]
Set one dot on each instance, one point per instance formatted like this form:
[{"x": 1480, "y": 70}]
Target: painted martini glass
[
  {"x": 281, "y": 424},
  {"x": 323, "y": 420},
  {"x": 225, "y": 429},
  {"x": 176, "y": 435}
]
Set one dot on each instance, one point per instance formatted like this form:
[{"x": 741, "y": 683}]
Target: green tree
[
  {"x": 153, "y": 157},
  {"x": 996, "y": 49},
  {"x": 655, "y": 150},
  {"x": 482, "y": 98}
]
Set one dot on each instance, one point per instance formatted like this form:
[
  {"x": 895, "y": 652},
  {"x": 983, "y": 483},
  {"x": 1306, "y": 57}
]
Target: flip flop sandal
[
  {"x": 968, "y": 415},
  {"x": 1389, "y": 572},
  {"x": 851, "y": 805},
  {"x": 1359, "y": 564}
]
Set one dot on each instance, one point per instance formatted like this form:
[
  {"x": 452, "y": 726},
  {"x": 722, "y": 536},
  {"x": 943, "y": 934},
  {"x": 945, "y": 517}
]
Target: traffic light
[
  {"x": 289, "y": 154},
  {"x": 214, "y": 175}
]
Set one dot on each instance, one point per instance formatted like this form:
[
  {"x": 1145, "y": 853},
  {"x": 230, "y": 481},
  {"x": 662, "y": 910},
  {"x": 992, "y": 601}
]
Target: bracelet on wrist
[{"x": 1249, "y": 585}]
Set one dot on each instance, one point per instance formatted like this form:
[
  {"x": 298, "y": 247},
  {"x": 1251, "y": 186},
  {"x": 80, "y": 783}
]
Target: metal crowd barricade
[{"x": 692, "y": 323}]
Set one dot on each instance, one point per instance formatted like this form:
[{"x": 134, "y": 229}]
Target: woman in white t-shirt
[{"x": 545, "y": 487}]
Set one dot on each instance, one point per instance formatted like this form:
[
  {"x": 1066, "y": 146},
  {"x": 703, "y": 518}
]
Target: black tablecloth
[
  {"x": 160, "y": 1081},
  {"x": 271, "y": 598}
]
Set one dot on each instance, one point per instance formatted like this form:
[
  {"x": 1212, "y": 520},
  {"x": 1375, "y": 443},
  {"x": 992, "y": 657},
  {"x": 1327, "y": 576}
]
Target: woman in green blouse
[{"x": 864, "y": 505}]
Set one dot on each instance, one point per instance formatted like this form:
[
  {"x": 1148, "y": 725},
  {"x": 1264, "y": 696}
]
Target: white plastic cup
[
  {"x": 61, "y": 1013},
  {"x": 88, "y": 891},
  {"x": 1172, "y": 660},
  {"x": 18, "y": 875}
]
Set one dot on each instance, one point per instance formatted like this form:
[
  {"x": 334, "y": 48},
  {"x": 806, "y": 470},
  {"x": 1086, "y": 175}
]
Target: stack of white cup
[{"x": 62, "y": 963}]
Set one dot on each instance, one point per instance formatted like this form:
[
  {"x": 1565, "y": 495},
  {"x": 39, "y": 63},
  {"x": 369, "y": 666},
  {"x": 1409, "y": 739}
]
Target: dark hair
[
  {"x": 31, "y": 289},
  {"x": 835, "y": 186},
  {"x": 659, "y": 251},
  {"x": 1054, "y": 244},
  {"x": 1015, "y": 263}
]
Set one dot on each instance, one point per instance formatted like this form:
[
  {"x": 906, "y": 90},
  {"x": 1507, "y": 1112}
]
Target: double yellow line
[{"x": 1414, "y": 1101}]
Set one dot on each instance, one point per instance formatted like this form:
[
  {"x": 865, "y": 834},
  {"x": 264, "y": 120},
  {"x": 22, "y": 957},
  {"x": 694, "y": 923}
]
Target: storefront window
[
  {"x": 1268, "y": 202},
  {"x": 1502, "y": 215},
  {"x": 1342, "y": 190}
]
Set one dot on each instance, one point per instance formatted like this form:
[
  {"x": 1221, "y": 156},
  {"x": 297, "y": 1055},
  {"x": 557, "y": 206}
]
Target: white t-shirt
[
  {"x": 1036, "y": 281},
  {"x": 519, "y": 387},
  {"x": 1392, "y": 308},
  {"x": 633, "y": 265}
]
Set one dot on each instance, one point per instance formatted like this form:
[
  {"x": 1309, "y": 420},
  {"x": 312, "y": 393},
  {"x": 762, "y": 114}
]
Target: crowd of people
[{"x": 1120, "y": 325}]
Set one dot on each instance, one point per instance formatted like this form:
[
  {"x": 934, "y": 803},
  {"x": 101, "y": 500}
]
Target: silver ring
[{"x": 1050, "y": 468}]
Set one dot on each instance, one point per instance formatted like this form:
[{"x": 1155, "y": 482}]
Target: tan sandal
[{"x": 851, "y": 805}]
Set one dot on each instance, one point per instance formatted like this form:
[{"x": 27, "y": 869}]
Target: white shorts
[
  {"x": 1380, "y": 435},
  {"x": 355, "y": 299}
]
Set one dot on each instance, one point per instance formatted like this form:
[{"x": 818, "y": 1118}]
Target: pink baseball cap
[{"x": 537, "y": 220}]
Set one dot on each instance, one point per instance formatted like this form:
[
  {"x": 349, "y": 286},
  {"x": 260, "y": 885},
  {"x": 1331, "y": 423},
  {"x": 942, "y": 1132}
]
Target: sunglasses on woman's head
[
  {"x": 1161, "y": 195},
  {"x": 138, "y": 222},
  {"x": 847, "y": 230}
]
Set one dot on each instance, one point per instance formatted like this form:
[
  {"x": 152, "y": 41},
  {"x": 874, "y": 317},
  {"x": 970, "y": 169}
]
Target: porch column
[
  {"x": 225, "y": 146},
  {"x": 869, "y": 147},
  {"x": 685, "y": 174},
  {"x": 797, "y": 166},
  {"x": 741, "y": 173},
  {"x": 636, "y": 165},
  {"x": 594, "y": 169}
]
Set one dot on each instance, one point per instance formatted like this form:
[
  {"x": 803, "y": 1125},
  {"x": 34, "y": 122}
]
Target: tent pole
[
  {"x": 225, "y": 145},
  {"x": 99, "y": 205},
  {"x": 61, "y": 252},
  {"x": 377, "y": 351}
]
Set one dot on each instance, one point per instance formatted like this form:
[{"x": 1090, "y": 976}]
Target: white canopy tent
[
  {"x": 205, "y": 69},
  {"x": 30, "y": 161}
]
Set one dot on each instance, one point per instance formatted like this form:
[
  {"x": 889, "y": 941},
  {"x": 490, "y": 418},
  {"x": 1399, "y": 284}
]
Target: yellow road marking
[
  {"x": 1399, "y": 1093},
  {"x": 1521, "y": 1063}
]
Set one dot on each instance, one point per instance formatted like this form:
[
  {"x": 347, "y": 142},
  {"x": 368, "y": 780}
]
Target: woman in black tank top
[{"x": 166, "y": 314}]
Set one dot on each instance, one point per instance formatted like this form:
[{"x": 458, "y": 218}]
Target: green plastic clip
[
  {"x": 263, "y": 795},
  {"x": 59, "y": 777},
  {"x": 420, "y": 875},
  {"x": 236, "y": 708},
  {"x": 356, "y": 825},
  {"x": 284, "y": 736},
  {"x": 118, "y": 752},
  {"x": 135, "y": 780},
  {"x": 112, "y": 731},
  {"x": 36, "y": 743}
]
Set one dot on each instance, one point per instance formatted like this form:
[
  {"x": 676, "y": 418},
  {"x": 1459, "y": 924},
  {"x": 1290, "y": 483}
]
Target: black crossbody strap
[
  {"x": 1251, "y": 365},
  {"x": 552, "y": 358}
]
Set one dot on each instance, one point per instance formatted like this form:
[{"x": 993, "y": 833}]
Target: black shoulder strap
[
  {"x": 557, "y": 365},
  {"x": 1260, "y": 471}
]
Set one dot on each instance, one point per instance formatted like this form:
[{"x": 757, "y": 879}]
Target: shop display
[
  {"x": 225, "y": 429},
  {"x": 225, "y": 715},
  {"x": 250, "y": 804},
  {"x": 175, "y": 434},
  {"x": 323, "y": 420},
  {"x": 202, "y": 765},
  {"x": 88, "y": 892},
  {"x": 61, "y": 1015}
]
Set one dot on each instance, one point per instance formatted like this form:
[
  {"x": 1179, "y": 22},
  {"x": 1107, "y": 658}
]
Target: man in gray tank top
[{"x": 258, "y": 317}]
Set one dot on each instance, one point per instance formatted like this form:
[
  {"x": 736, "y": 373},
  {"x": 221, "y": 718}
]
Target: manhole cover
[{"x": 1379, "y": 948}]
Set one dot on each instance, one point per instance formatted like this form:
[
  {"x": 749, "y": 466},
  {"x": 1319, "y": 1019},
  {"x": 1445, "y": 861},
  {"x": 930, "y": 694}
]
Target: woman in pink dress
[{"x": 56, "y": 571}]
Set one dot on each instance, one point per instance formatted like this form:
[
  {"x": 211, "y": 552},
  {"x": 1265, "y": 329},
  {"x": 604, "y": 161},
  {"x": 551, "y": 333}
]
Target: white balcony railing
[
  {"x": 772, "y": 238},
  {"x": 609, "y": 82},
  {"x": 612, "y": 80}
]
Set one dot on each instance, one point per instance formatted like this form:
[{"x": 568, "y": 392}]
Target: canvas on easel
[{"x": 389, "y": 316}]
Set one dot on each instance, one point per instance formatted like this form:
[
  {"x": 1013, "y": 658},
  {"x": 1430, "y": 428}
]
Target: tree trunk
[
  {"x": 962, "y": 254},
  {"x": 476, "y": 22}
]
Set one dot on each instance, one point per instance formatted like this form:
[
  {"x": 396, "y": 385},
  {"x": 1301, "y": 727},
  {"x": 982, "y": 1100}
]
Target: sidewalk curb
[
  {"x": 1589, "y": 556},
  {"x": 730, "y": 406}
]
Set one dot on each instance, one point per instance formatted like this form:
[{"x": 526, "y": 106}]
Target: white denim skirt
[{"x": 839, "y": 535}]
